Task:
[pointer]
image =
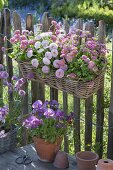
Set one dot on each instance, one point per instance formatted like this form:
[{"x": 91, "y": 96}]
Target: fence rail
[{"x": 38, "y": 89}]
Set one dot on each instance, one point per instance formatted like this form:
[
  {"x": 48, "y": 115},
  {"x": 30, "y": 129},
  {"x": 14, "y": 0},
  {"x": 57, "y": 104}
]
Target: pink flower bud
[
  {"x": 54, "y": 22},
  {"x": 5, "y": 38},
  {"x": 12, "y": 40},
  {"x": 53, "y": 37},
  {"x": 17, "y": 32}
]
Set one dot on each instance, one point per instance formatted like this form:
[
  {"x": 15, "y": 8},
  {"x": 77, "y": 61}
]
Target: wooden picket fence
[{"x": 38, "y": 89}]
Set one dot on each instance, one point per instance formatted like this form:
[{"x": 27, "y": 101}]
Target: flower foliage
[
  {"x": 47, "y": 120},
  {"x": 11, "y": 87},
  {"x": 75, "y": 55}
]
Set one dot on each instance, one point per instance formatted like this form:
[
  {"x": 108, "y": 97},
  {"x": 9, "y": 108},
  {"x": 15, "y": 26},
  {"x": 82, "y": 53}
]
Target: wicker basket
[
  {"x": 79, "y": 89},
  {"x": 8, "y": 142}
]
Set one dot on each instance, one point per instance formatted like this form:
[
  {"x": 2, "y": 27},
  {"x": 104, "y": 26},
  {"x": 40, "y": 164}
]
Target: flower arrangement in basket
[
  {"x": 47, "y": 124},
  {"x": 8, "y": 128},
  {"x": 60, "y": 60}
]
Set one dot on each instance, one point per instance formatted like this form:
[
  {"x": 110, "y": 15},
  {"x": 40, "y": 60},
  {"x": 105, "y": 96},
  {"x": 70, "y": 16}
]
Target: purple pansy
[
  {"x": 37, "y": 104},
  {"x": 32, "y": 122},
  {"x": 54, "y": 104},
  {"x": 49, "y": 113}
]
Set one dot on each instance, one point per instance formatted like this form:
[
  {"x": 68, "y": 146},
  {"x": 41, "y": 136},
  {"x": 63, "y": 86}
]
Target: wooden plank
[
  {"x": 76, "y": 133},
  {"x": 17, "y": 26},
  {"x": 24, "y": 101},
  {"x": 65, "y": 108},
  {"x": 110, "y": 121},
  {"x": 88, "y": 123},
  {"x": 7, "y": 32},
  {"x": 65, "y": 100},
  {"x": 7, "y": 160},
  {"x": 47, "y": 23},
  {"x": 89, "y": 104},
  {"x": 38, "y": 89},
  {"x": 1, "y": 52},
  {"x": 34, "y": 85},
  {"x": 100, "y": 98},
  {"x": 53, "y": 94},
  {"x": 17, "y": 21}
]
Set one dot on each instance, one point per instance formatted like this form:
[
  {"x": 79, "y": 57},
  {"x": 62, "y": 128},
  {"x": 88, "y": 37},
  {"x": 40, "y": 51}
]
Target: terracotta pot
[
  {"x": 86, "y": 160},
  {"x": 105, "y": 164},
  {"x": 61, "y": 160},
  {"x": 46, "y": 151}
]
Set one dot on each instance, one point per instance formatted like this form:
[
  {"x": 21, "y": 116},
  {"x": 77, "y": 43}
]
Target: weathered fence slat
[
  {"x": 53, "y": 94},
  {"x": 100, "y": 99},
  {"x": 24, "y": 101},
  {"x": 46, "y": 20},
  {"x": 65, "y": 101},
  {"x": 76, "y": 125},
  {"x": 110, "y": 120},
  {"x": 17, "y": 21},
  {"x": 34, "y": 85},
  {"x": 17, "y": 26},
  {"x": 76, "y": 133},
  {"x": 65, "y": 108},
  {"x": 7, "y": 32},
  {"x": 89, "y": 103},
  {"x": 1, "y": 52}
]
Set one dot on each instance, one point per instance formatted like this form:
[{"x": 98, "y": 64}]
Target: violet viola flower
[
  {"x": 49, "y": 113},
  {"x": 3, "y": 112},
  {"x": 32, "y": 122},
  {"x": 4, "y": 75},
  {"x": 14, "y": 78},
  {"x": 45, "y": 105},
  {"x": 19, "y": 83},
  {"x": 37, "y": 105},
  {"x": 1, "y": 67},
  {"x": 22, "y": 93},
  {"x": 54, "y": 104},
  {"x": 60, "y": 114}
]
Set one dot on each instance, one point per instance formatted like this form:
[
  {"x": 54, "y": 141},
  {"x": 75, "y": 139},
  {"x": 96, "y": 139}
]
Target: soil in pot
[
  {"x": 46, "y": 151},
  {"x": 86, "y": 160}
]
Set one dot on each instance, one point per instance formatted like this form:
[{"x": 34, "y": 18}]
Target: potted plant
[
  {"x": 47, "y": 124},
  {"x": 8, "y": 117},
  {"x": 58, "y": 59}
]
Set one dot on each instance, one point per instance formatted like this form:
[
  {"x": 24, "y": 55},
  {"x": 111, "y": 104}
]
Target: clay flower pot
[
  {"x": 86, "y": 160},
  {"x": 105, "y": 164},
  {"x": 46, "y": 151},
  {"x": 61, "y": 160}
]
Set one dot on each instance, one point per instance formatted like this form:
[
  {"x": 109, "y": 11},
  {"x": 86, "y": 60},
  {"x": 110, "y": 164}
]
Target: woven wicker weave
[
  {"x": 9, "y": 141},
  {"x": 77, "y": 88}
]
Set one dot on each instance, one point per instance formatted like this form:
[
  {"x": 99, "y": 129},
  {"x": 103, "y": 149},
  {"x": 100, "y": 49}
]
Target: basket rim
[{"x": 65, "y": 77}]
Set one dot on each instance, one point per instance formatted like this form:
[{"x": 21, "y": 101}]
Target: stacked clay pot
[{"x": 105, "y": 164}]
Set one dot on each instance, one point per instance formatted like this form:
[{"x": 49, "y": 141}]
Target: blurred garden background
[{"x": 69, "y": 9}]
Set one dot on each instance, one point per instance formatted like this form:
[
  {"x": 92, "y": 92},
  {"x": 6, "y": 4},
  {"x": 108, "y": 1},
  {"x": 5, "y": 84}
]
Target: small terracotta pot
[
  {"x": 45, "y": 150},
  {"x": 86, "y": 160},
  {"x": 61, "y": 160},
  {"x": 105, "y": 164}
]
